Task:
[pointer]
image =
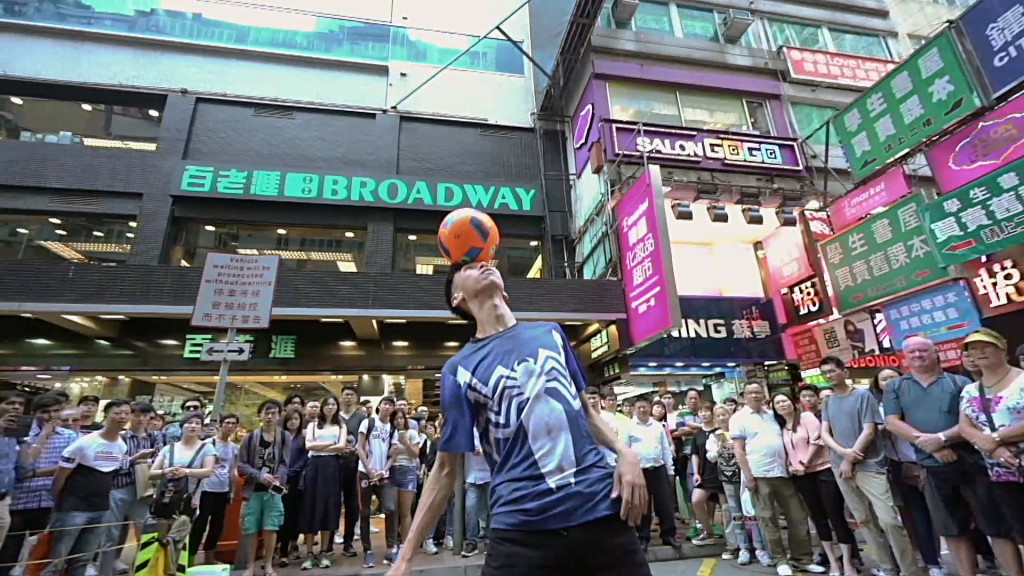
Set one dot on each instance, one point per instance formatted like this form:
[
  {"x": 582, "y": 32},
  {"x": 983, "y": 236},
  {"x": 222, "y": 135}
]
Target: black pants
[
  {"x": 21, "y": 521},
  {"x": 663, "y": 496},
  {"x": 213, "y": 506},
  {"x": 388, "y": 498},
  {"x": 350, "y": 497},
  {"x": 820, "y": 492},
  {"x": 603, "y": 547},
  {"x": 289, "y": 532}
]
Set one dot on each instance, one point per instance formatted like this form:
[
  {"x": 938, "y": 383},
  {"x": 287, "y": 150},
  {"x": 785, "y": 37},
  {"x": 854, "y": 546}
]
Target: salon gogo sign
[{"x": 707, "y": 149}]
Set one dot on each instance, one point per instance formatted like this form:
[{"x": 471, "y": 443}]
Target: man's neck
[
  {"x": 224, "y": 437},
  {"x": 493, "y": 316},
  {"x": 86, "y": 421},
  {"x": 927, "y": 377},
  {"x": 758, "y": 409},
  {"x": 137, "y": 429},
  {"x": 347, "y": 411},
  {"x": 643, "y": 419},
  {"x": 842, "y": 389},
  {"x": 269, "y": 430},
  {"x": 110, "y": 433}
]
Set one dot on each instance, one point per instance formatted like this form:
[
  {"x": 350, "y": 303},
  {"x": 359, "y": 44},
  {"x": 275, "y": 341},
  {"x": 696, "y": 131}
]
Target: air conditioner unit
[
  {"x": 735, "y": 24},
  {"x": 623, "y": 10}
]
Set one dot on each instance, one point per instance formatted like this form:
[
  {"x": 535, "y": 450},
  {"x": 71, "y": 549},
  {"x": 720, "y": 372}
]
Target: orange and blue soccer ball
[{"x": 467, "y": 235}]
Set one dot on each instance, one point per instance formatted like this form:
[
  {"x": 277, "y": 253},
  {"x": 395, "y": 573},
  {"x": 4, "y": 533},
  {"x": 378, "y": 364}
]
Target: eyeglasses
[{"x": 193, "y": 408}]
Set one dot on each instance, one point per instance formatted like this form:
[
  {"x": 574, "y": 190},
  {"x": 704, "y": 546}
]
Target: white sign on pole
[
  {"x": 236, "y": 291},
  {"x": 230, "y": 351}
]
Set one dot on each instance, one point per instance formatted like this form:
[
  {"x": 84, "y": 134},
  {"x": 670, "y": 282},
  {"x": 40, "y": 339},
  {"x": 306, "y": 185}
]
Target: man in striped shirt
[{"x": 125, "y": 502}]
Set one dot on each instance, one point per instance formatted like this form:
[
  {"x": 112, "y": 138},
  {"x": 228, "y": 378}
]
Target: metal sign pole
[{"x": 222, "y": 381}]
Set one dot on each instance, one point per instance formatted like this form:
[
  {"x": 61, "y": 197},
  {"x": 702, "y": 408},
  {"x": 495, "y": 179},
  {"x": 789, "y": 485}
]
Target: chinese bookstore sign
[
  {"x": 356, "y": 189},
  {"x": 282, "y": 346},
  {"x": 998, "y": 282},
  {"x": 995, "y": 30},
  {"x": 929, "y": 91},
  {"x": 940, "y": 314},
  {"x": 882, "y": 257},
  {"x": 983, "y": 217},
  {"x": 835, "y": 68},
  {"x": 236, "y": 291},
  {"x": 652, "y": 303}
]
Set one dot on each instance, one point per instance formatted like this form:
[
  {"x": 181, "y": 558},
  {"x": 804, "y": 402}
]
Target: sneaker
[
  {"x": 743, "y": 558},
  {"x": 307, "y": 564},
  {"x": 388, "y": 557},
  {"x": 339, "y": 538},
  {"x": 704, "y": 540},
  {"x": 429, "y": 548},
  {"x": 121, "y": 567},
  {"x": 469, "y": 549},
  {"x": 448, "y": 543},
  {"x": 764, "y": 558},
  {"x": 349, "y": 551},
  {"x": 374, "y": 530},
  {"x": 783, "y": 569},
  {"x": 324, "y": 562},
  {"x": 936, "y": 572},
  {"x": 282, "y": 562},
  {"x": 91, "y": 570},
  {"x": 729, "y": 555},
  {"x": 812, "y": 568},
  {"x": 369, "y": 559}
]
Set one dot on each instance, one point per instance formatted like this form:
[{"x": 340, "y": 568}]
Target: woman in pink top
[{"x": 810, "y": 465}]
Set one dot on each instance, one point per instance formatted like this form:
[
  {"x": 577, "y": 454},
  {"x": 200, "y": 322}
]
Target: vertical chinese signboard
[
  {"x": 785, "y": 255},
  {"x": 994, "y": 29},
  {"x": 808, "y": 352},
  {"x": 941, "y": 313},
  {"x": 998, "y": 282},
  {"x": 652, "y": 303},
  {"x": 924, "y": 95},
  {"x": 807, "y": 301},
  {"x": 983, "y": 217},
  {"x": 236, "y": 291},
  {"x": 882, "y": 257}
]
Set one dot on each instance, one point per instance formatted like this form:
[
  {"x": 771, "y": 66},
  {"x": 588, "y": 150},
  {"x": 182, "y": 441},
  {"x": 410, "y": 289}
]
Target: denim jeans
[
  {"x": 73, "y": 542},
  {"x": 478, "y": 507},
  {"x": 736, "y": 527},
  {"x": 123, "y": 506}
]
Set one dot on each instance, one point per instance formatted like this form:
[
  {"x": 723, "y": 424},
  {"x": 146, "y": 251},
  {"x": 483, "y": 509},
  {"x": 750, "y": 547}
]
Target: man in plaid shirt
[{"x": 32, "y": 502}]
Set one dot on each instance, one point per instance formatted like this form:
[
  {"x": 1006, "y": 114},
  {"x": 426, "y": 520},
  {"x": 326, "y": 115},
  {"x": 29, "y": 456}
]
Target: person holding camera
[{"x": 263, "y": 460}]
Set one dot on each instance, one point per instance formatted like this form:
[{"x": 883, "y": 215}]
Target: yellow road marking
[{"x": 707, "y": 567}]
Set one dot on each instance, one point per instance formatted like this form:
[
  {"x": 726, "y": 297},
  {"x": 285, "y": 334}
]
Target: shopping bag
[{"x": 36, "y": 558}]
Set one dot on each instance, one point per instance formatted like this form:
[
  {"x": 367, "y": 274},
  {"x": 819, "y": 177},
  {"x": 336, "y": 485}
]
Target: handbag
[
  {"x": 173, "y": 496},
  {"x": 986, "y": 408}
]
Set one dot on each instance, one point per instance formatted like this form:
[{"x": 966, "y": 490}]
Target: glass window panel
[
  {"x": 300, "y": 248},
  {"x": 90, "y": 239},
  {"x": 699, "y": 24},
  {"x": 79, "y": 123},
  {"x": 653, "y": 17},
  {"x": 861, "y": 44},
  {"x": 240, "y": 26},
  {"x": 713, "y": 111},
  {"x": 794, "y": 34},
  {"x": 644, "y": 104},
  {"x": 810, "y": 121},
  {"x": 753, "y": 38},
  {"x": 759, "y": 116},
  {"x": 417, "y": 253}
]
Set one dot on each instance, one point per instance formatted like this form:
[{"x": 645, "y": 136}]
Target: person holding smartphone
[{"x": 263, "y": 463}]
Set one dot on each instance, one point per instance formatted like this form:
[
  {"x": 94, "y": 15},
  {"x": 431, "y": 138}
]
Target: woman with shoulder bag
[{"x": 180, "y": 467}]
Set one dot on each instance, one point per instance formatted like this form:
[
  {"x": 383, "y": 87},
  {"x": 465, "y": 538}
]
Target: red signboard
[
  {"x": 998, "y": 282},
  {"x": 834, "y": 67},
  {"x": 786, "y": 256},
  {"x": 950, "y": 352},
  {"x": 808, "y": 353},
  {"x": 819, "y": 223},
  {"x": 876, "y": 361}
]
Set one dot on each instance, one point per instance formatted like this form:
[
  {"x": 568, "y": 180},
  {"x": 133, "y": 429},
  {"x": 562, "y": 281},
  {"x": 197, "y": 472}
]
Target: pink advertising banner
[
  {"x": 877, "y": 193},
  {"x": 992, "y": 141},
  {"x": 785, "y": 255},
  {"x": 652, "y": 302}
]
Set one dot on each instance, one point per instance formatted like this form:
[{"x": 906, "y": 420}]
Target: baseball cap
[
  {"x": 89, "y": 398},
  {"x": 986, "y": 335}
]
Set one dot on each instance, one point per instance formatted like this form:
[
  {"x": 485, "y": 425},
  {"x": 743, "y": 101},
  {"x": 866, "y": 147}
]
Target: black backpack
[{"x": 173, "y": 498}]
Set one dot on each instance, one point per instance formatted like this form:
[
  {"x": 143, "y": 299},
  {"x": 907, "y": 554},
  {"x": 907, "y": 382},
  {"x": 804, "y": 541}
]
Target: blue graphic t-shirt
[{"x": 521, "y": 388}]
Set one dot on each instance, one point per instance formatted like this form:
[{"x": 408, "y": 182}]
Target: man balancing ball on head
[{"x": 557, "y": 507}]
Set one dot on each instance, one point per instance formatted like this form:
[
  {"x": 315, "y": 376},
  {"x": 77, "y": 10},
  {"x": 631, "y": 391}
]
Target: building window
[
  {"x": 815, "y": 37},
  {"x": 653, "y": 17},
  {"x": 92, "y": 239},
  {"x": 79, "y": 123},
  {"x": 699, "y": 24},
  {"x": 300, "y": 247},
  {"x": 594, "y": 249},
  {"x": 810, "y": 122},
  {"x": 247, "y": 26},
  {"x": 688, "y": 108},
  {"x": 417, "y": 253},
  {"x": 954, "y": 3}
]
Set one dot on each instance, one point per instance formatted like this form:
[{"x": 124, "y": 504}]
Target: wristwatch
[{"x": 942, "y": 437}]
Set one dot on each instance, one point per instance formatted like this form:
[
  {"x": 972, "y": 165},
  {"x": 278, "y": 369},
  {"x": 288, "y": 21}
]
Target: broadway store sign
[
  {"x": 883, "y": 256},
  {"x": 983, "y": 217},
  {"x": 929, "y": 91},
  {"x": 355, "y": 188},
  {"x": 706, "y": 149}
]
